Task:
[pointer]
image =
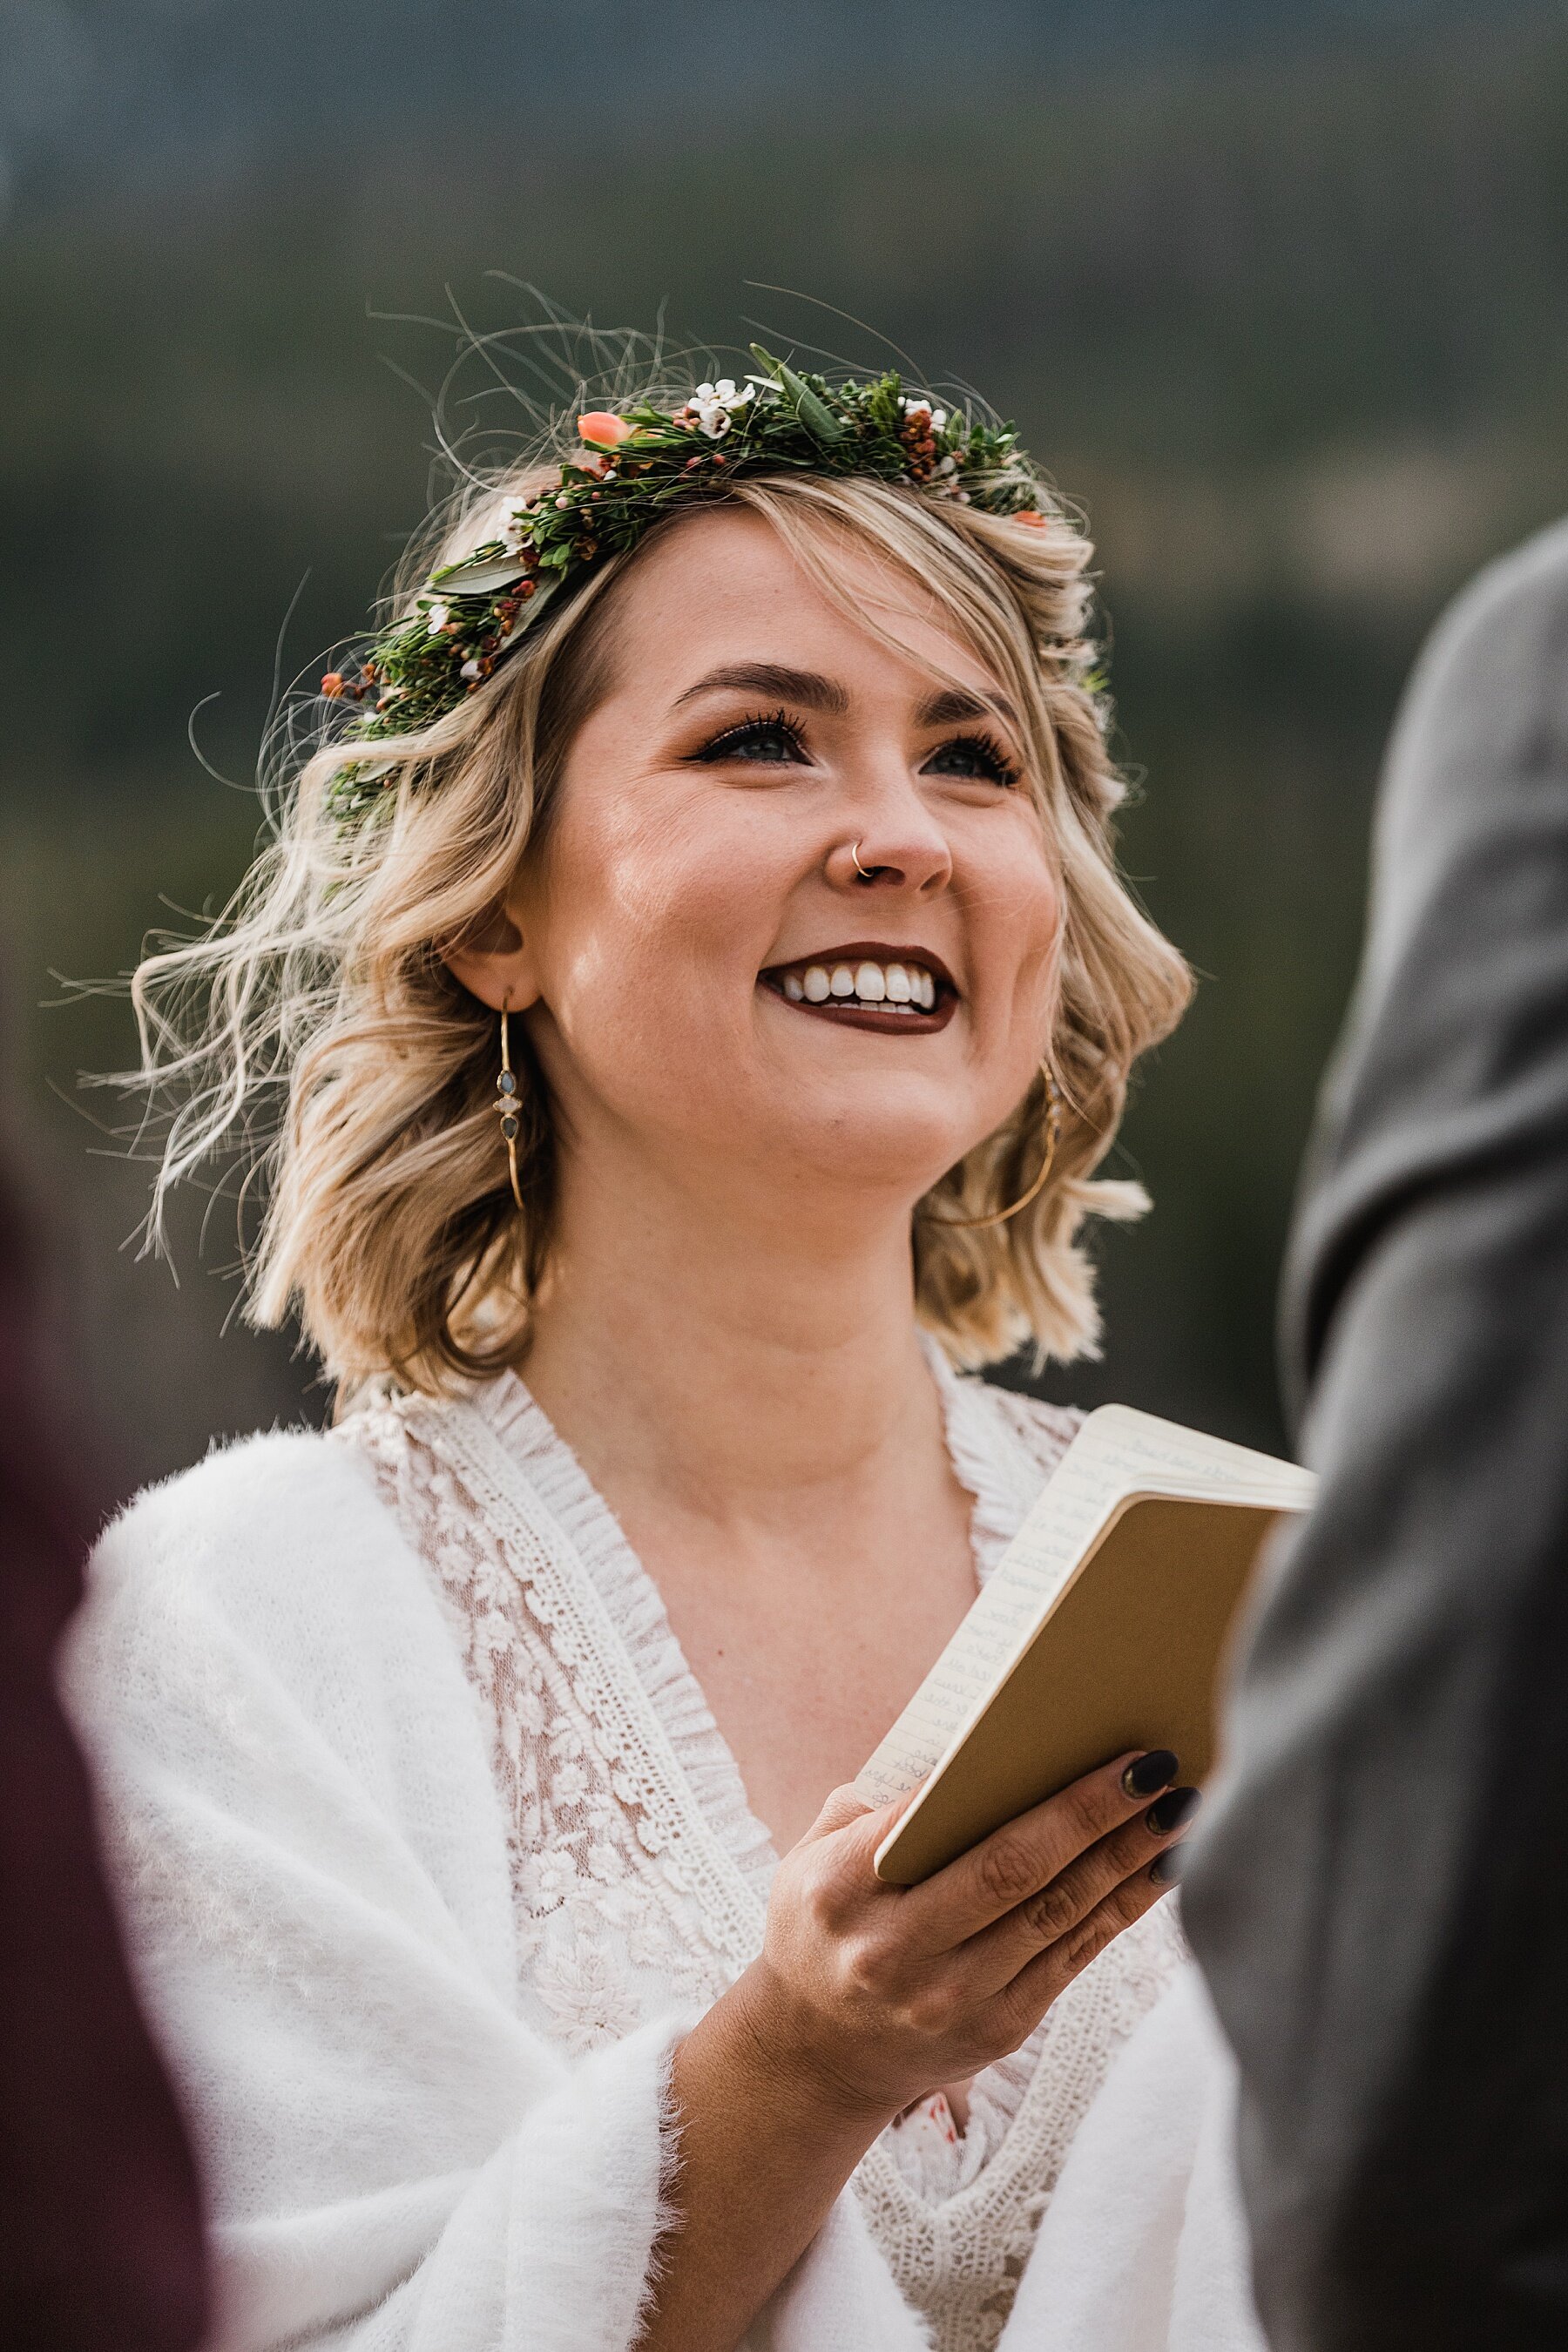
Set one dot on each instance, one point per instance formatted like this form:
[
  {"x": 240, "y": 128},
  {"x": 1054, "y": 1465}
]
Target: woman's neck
[
  {"x": 745, "y": 1386},
  {"x": 740, "y": 1364}
]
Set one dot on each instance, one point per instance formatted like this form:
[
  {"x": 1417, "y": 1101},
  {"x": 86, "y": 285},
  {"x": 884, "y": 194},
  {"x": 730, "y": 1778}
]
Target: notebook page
[
  {"x": 1116, "y": 1453},
  {"x": 1154, "y": 1456}
]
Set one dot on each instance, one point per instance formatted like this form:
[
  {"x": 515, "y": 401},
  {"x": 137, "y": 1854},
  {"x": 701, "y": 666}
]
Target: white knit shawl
[{"x": 315, "y": 1863}]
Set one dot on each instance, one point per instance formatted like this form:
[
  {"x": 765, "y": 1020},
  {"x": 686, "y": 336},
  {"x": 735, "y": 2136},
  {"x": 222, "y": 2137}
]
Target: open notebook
[{"x": 1103, "y": 1628}]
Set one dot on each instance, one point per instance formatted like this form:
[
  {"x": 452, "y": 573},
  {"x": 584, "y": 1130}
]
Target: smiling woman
[
  {"x": 335, "y": 979},
  {"x": 728, "y": 805}
]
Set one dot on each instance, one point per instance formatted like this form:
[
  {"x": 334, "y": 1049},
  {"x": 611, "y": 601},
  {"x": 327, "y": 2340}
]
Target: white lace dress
[{"x": 639, "y": 1872}]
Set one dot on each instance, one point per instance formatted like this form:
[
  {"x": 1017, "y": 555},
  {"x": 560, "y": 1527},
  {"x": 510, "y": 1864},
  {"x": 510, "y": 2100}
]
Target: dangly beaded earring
[{"x": 507, "y": 1106}]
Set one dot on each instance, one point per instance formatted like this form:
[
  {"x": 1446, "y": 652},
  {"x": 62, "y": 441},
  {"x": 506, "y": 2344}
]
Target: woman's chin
[{"x": 884, "y": 1163}]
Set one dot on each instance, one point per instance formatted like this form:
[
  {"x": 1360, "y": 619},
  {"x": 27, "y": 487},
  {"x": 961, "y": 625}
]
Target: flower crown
[{"x": 471, "y": 613}]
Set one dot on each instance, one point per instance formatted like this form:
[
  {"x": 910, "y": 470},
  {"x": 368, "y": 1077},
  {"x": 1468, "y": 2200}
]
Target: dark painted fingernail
[
  {"x": 1176, "y": 1806},
  {"x": 1167, "y": 1868},
  {"x": 1147, "y": 1775}
]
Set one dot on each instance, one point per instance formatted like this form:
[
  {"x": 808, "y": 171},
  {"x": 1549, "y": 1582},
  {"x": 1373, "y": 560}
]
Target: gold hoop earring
[
  {"x": 507, "y": 1104},
  {"x": 1053, "y": 1136}
]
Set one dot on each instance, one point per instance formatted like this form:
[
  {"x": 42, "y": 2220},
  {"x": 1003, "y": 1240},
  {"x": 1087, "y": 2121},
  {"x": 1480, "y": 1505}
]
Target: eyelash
[
  {"x": 779, "y": 722},
  {"x": 1007, "y": 772},
  {"x": 773, "y": 722}
]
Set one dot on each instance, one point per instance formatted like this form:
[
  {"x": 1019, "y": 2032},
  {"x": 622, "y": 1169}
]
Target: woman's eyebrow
[
  {"x": 955, "y": 703},
  {"x": 805, "y": 687},
  {"x": 948, "y": 704}
]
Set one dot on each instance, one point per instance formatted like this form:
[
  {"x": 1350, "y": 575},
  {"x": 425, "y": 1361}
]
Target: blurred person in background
[
  {"x": 699, "y": 981},
  {"x": 99, "y": 2220},
  {"x": 1387, "y": 1951}
]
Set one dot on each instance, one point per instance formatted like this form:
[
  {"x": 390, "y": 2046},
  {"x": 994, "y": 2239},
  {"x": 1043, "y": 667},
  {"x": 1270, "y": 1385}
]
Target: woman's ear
[{"x": 493, "y": 962}]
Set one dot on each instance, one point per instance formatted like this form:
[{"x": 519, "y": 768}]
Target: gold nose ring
[{"x": 854, "y": 861}]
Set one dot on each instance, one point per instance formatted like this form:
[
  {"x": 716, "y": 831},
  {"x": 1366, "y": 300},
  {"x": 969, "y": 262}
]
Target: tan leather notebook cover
[{"x": 1131, "y": 1655}]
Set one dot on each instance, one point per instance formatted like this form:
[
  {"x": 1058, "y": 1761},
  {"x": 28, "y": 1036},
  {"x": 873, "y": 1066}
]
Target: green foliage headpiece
[{"x": 636, "y": 467}]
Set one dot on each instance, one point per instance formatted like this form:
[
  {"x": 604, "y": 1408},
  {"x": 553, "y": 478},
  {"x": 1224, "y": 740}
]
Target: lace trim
[
  {"x": 632, "y": 1604},
  {"x": 959, "y": 2258},
  {"x": 630, "y": 1728},
  {"x": 607, "y": 1930}
]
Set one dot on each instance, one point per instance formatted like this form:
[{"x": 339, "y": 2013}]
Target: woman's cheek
[
  {"x": 648, "y": 1022},
  {"x": 1017, "y": 937}
]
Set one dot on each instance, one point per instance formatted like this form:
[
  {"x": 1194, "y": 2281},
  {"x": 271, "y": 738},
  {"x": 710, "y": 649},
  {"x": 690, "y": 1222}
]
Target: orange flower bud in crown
[{"x": 603, "y": 431}]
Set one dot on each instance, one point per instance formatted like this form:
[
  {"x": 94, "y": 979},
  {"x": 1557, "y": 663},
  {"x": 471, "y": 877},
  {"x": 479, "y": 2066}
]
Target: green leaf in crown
[{"x": 635, "y": 466}]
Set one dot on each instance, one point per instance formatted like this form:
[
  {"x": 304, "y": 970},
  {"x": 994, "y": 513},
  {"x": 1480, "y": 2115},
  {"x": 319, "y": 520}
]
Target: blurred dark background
[{"x": 1279, "y": 293}]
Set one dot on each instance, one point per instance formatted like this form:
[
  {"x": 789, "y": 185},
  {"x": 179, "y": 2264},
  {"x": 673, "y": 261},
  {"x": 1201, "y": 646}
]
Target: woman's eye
[
  {"x": 972, "y": 755},
  {"x": 767, "y": 740}
]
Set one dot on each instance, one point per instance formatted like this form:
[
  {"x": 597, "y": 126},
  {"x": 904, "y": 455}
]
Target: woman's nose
[{"x": 892, "y": 843}]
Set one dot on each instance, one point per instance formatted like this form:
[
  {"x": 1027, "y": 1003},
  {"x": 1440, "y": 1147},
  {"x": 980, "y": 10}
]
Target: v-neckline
[{"x": 636, "y": 1607}]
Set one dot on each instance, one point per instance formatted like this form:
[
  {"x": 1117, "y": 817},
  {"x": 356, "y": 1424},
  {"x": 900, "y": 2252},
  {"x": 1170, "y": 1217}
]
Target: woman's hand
[
  {"x": 884, "y": 1993},
  {"x": 865, "y": 1997}
]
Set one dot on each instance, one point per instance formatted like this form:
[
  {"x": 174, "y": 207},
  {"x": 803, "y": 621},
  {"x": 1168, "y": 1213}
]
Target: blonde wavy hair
[{"x": 315, "y": 1031}]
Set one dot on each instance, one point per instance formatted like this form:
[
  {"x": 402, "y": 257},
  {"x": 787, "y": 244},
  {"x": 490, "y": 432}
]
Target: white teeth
[{"x": 894, "y": 987}]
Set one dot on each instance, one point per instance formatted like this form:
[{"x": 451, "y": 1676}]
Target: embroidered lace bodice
[{"x": 639, "y": 1872}]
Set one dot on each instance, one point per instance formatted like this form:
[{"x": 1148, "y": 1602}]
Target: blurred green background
[{"x": 1280, "y": 294}]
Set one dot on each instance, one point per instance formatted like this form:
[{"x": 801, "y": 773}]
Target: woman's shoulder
[
  {"x": 278, "y": 1492},
  {"x": 280, "y": 1540},
  {"x": 266, "y": 1596},
  {"x": 261, "y": 1663}
]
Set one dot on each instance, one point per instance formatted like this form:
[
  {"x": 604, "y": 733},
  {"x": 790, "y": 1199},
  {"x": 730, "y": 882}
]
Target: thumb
[
  {"x": 841, "y": 1807},
  {"x": 845, "y": 1806}
]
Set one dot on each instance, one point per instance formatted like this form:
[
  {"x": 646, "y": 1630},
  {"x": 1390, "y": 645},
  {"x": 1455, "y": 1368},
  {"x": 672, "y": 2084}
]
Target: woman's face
[{"x": 695, "y": 919}]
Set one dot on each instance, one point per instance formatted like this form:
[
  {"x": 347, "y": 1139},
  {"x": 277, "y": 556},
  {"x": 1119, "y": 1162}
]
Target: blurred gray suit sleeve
[{"x": 1380, "y": 1899}]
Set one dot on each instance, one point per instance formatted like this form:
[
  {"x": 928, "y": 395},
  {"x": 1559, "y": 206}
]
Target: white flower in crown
[
  {"x": 912, "y": 401},
  {"x": 715, "y": 405},
  {"x": 436, "y": 618}
]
